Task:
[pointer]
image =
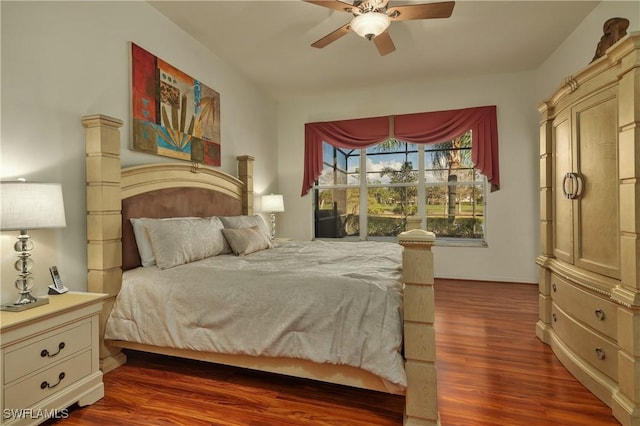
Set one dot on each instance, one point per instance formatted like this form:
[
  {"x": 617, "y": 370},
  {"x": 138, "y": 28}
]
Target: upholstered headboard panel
[{"x": 171, "y": 202}]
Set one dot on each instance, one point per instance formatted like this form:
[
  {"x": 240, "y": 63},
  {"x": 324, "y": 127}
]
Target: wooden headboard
[
  {"x": 114, "y": 195},
  {"x": 185, "y": 191},
  {"x": 156, "y": 190}
]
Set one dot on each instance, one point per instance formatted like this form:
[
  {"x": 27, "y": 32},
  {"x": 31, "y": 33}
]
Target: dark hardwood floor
[{"x": 492, "y": 370}]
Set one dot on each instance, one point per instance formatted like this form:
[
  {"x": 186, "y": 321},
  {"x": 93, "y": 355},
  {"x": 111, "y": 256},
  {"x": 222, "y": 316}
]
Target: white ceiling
[{"x": 269, "y": 41}]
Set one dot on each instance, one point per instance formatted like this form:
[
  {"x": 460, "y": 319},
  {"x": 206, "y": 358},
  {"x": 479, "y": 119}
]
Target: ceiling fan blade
[
  {"x": 333, "y": 4},
  {"x": 332, "y": 36},
  {"x": 384, "y": 43},
  {"x": 421, "y": 11}
]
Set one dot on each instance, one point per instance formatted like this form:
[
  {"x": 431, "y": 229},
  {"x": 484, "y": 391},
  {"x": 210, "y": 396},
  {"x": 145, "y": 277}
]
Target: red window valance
[{"x": 424, "y": 127}]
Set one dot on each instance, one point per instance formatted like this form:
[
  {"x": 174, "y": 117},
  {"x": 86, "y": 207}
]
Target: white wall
[
  {"x": 578, "y": 49},
  {"x": 64, "y": 60},
  {"x": 513, "y": 213}
]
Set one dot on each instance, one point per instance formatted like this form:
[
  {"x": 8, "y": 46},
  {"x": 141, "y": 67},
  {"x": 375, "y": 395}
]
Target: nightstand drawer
[
  {"x": 46, "y": 349},
  {"x": 595, "y": 311},
  {"x": 35, "y": 388},
  {"x": 593, "y": 348}
]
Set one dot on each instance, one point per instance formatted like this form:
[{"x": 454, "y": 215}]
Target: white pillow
[
  {"x": 179, "y": 241},
  {"x": 243, "y": 221},
  {"x": 142, "y": 239},
  {"x": 246, "y": 240}
]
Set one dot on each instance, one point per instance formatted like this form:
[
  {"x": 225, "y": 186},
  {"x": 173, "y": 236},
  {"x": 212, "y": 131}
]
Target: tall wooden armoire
[{"x": 589, "y": 264}]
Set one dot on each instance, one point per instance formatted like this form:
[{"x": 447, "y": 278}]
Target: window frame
[{"x": 422, "y": 184}]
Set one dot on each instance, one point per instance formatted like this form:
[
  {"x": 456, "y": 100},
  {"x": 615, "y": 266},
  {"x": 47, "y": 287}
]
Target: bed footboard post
[
  {"x": 104, "y": 219},
  {"x": 421, "y": 405},
  {"x": 245, "y": 174}
]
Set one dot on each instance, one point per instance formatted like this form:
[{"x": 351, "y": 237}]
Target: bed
[{"x": 184, "y": 190}]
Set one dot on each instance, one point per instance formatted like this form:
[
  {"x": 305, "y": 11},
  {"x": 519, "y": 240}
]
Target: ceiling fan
[{"x": 373, "y": 17}]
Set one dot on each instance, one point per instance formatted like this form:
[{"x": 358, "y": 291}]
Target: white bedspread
[{"x": 327, "y": 302}]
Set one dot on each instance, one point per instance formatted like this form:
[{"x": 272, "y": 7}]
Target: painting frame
[{"x": 173, "y": 114}]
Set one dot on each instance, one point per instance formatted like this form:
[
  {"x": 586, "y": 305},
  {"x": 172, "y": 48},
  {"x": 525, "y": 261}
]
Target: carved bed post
[
  {"x": 245, "y": 174},
  {"x": 104, "y": 220},
  {"x": 414, "y": 222},
  {"x": 421, "y": 406}
]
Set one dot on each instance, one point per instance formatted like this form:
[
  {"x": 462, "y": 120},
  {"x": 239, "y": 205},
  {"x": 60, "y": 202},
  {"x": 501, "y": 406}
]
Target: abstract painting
[{"x": 174, "y": 115}]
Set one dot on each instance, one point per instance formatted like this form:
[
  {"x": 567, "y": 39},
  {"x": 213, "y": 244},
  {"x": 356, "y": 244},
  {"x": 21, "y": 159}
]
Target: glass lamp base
[
  {"x": 24, "y": 283},
  {"x": 17, "y": 307}
]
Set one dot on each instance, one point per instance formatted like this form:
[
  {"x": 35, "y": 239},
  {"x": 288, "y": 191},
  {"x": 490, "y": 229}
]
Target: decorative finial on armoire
[{"x": 614, "y": 29}]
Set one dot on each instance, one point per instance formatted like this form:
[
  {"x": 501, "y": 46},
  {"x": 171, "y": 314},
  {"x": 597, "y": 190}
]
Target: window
[{"x": 394, "y": 180}]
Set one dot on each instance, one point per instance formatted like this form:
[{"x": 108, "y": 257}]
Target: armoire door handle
[
  {"x": 567, "y": 194},
  {"x": 577, "y": 185}
]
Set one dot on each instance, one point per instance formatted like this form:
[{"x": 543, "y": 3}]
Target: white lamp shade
[
  {"x": 31, "y": 205},
  {"x": 370, "y": 25},
  {"x": 272, "y": 203}
]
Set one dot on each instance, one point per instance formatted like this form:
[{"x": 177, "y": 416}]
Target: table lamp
[
  {"x": 28, "y": 205},
  {"x": 272, "y": 204}
]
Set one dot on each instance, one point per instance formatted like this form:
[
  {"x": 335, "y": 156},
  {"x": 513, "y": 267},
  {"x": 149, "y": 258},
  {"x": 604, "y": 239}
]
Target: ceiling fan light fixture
[{"x": 370, "y": 25}]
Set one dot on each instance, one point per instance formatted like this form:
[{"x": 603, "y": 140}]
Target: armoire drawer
[
  {"x": 34, "y": 388},
  {"x": 42, "y": 351},
  {"x": 587, "y": 344},
  {"x": 594, "y": 311}
]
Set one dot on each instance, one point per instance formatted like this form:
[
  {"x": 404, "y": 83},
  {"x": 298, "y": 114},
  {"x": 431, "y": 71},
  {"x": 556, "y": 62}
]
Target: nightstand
[{"x": 50, "y": 358}]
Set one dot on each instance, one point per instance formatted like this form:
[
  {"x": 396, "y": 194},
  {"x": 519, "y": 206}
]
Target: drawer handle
[
  {"x": 45, "y": 384},
  {"x": 600, "y": 353},
  {"x": 600, "y": 314},
  {"x": 45, "y": 353},
  {"x": 555, "y": 318},
  {"x": 553, "y": 286}
]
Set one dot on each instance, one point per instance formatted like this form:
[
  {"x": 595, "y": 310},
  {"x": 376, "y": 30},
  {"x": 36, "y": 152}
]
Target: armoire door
[
  {"x": 596, "y": 212},
  {"x": 562, "y": 154}
]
